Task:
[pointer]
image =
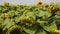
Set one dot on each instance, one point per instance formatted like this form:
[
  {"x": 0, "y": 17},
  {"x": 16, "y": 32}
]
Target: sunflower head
[
  {"x": 54, "y": 10},
  {"x": 28, "y": 20},
  {"x": 46, "y": 6},
  {"x": 55, "y": 31},
  {"x": 15, "y": 30},
  {"x": 6, "y": 15},
  {"x": 39, "y": 3}
]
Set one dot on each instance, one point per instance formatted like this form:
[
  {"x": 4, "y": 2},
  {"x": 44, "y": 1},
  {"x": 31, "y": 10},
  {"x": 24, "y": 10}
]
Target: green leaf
[
  {"x": 31, "y": 14},
  {"x": 41, "y": 32},
  {"x": 7, "y": 23},
  {"x": 58, "y": 12},
  {"x": 40, "y": 13},
  {"x": 17, "y": 19},
  {"x": 11, "y": 13},
  {"x": 29, "y": 31},
  {"x": 50, "y": 27}
]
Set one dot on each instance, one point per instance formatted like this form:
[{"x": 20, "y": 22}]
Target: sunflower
[
  {"x": 39, "y": 3},
  {"x": 27, "y": 19},
  {"x": 6, "y": 15},
  {"x": 15, "y": 30},
  {"x": 23, "y": 21},
  {"x": 46, "y": 6},
  {"x": 55, "y": 31},
  {"x": 54, "y": 10}
]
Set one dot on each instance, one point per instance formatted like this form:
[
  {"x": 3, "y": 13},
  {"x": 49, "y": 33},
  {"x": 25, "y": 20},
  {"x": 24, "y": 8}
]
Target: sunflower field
[{"x": 33, "y": 19}]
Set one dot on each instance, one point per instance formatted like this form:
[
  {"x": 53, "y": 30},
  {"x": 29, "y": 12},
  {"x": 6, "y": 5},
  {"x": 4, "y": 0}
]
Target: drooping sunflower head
[{"x": 15, "y": 30}]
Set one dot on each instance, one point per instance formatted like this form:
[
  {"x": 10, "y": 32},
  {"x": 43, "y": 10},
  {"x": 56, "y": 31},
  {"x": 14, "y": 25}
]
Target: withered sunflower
[{"x": 15, "y": 30}]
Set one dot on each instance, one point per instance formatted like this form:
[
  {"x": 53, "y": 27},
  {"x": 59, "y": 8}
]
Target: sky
[{"x": 28, "y": 2}]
